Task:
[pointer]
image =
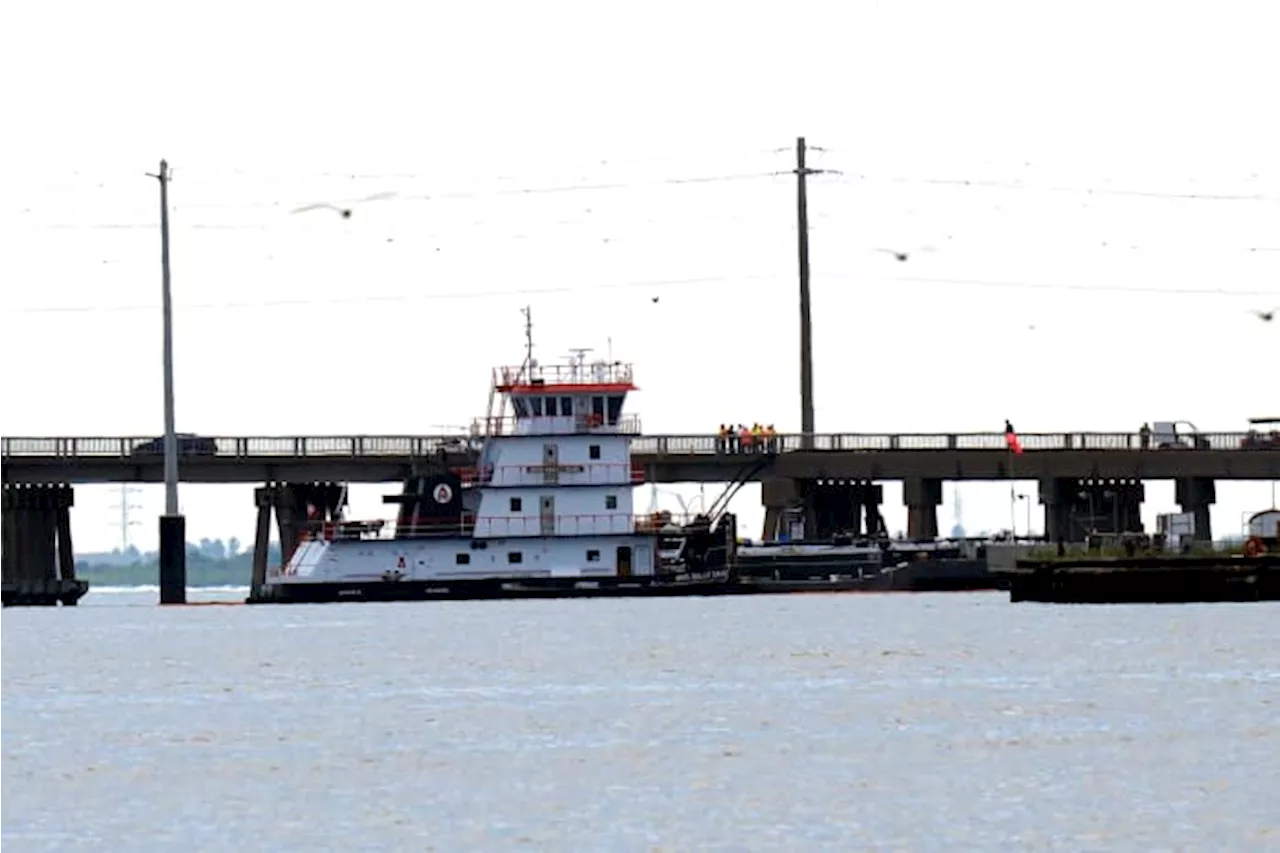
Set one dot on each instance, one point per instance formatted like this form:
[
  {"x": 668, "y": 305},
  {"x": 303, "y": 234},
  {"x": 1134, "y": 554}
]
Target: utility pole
[
  {"x": 802, "y": 172},
  {"x": 173, "y": 547}
]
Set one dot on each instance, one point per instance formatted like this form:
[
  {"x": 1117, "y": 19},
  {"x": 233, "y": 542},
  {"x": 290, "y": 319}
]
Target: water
[{"x": 853, "y": 722}]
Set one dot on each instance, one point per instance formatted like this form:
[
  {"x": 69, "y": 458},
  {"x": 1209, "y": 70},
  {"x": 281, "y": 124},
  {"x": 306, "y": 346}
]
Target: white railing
[
  {"x": 554, "y": 425},
  {"x": 599, "y": 524},
  {"x": 597, "y": 373}
]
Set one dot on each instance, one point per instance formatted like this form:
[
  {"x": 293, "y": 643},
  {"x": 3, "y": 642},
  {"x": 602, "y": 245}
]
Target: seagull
[
  {"x": 1268, "y": 315},
  {"x": 345, "y": 212},
  {"x": 655, "y": 299},
  {"x": 902, "y": 256}
]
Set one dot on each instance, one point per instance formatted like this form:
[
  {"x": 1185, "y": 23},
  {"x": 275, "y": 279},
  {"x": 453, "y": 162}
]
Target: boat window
[
  {"x": 597, "y": 407},
  {"x": 521, "y": 407},
  {"x": 593, "y": 556},
  {"x": 536, "y": 403},
  {"x": 515, "y": 557},
  {"x": 463, "y": 559},
  {"x": 566, "y": 407},
  {"x": 615, "y": 409},
  {"x": 593, "y": 451},
  {"x": 610, "y": 501},
  {"x": 516, "y": 504}
]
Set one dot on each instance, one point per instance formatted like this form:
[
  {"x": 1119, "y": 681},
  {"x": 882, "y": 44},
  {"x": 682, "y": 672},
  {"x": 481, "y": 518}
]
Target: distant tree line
[{"x": 210, "y": 562}]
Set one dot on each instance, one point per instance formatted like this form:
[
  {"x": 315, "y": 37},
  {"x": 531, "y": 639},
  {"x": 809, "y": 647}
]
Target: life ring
[{"x": 1254, "y": 547}]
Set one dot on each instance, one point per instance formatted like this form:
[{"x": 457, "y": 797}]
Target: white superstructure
[{"x": 550, "y": 496}]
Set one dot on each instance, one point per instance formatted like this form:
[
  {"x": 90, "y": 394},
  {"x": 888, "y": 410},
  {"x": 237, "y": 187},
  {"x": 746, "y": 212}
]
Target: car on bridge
[
  {"x": 1256, "y": 439},
  {"x": 188, "y": 445}
]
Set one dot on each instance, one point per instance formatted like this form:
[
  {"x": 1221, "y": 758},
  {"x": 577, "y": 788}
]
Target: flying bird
[
  {"x": 1268, "y": 315},
  {"x": 345, "y": 212},
  {"x": 901, "y": 256}
]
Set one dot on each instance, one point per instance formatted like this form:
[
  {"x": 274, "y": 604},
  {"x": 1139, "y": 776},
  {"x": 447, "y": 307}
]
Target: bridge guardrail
[{"x": 146, "y": 447}]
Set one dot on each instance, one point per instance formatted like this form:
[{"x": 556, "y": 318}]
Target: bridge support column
[
  {"x": 922, "y": 497},
  {"x": 1076, "y": 508},
  {"x": 1057, "y": 494},
  {"x": 38, "y": 562},
  {"x": 838, "y": 507},
  {"x": 782, "y": 503},
  {"x": 1196, "y": 495},
  {"x": 297, "y": 508}
]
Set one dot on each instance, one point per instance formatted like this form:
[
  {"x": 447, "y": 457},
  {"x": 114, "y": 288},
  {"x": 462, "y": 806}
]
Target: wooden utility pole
[{"x": 802, "y": 172}]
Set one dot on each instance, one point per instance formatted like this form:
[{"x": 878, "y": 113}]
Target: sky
[{"x": 1090, "y": 195}]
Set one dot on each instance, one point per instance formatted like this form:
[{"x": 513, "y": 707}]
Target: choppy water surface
[{"x": 852, "y": 722}]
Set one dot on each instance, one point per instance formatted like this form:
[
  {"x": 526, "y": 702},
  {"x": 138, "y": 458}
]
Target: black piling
[{"x": 173, "y": 559}]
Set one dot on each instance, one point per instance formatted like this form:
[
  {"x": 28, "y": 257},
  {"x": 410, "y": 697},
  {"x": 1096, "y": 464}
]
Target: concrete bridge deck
[{"x": 665, "y": 458}]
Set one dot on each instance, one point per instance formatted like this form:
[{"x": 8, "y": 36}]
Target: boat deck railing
[{"x": 585, "y": 524}]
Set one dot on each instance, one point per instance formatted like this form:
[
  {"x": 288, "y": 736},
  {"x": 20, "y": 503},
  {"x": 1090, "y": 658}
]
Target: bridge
[
  {"x": 665, "y": 458},
  {"x": 1089, "y": 481}
]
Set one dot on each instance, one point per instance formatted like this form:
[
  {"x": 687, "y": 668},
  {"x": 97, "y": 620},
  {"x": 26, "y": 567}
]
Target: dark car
[{"x": 188, "y": 445}]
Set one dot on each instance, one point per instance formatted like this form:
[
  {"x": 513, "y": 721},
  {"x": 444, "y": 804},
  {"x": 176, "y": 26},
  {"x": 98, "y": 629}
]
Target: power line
[
  {"x": 543, "y": 189},
  {"x": 360, "y": 300},
  {"x": 1085, "y": 288},
  {"x": 1017, "y": 186},
  {"x": 653, "y": 283}
]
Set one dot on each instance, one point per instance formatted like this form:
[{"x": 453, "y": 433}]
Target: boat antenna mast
[
  {"x": 526, "y": 369},
  {"x": 578, "y": 358},
  {"x": 526, "y": 373}
]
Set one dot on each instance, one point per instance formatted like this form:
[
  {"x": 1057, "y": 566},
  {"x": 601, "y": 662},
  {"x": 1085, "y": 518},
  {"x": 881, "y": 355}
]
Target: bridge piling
[
  {"x": 922, "y": 497},
  {"x": 297, "y": 507},
  {"x": 1078, "y": 507},
  {"x": 38, "y": 562},
  {"x": 1196, "y": 495}
]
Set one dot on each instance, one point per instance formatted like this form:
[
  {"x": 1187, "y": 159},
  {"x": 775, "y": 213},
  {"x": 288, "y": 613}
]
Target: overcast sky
[{"x": 1090, "y": 197}]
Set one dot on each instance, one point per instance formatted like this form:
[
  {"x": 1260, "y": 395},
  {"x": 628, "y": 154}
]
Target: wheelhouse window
[
  {"x": 566, "y": 407},
  {"x": 536, "y": 403},
  {"x": 615, "y": 409}
]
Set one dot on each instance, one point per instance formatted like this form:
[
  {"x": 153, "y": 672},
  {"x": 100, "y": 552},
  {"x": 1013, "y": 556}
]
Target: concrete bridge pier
[
  {"x": 922, "y": 497},
  {"x": 782, "y": 501},
  {"x": 297, "y": 507},
  {"x": 1076, "y": 507},
  {"x": 842, "y": 507},
  {"x": 1058, "y": 496},
  {"x": 39, "y": 563},
  {"x": 1196, "y": 495}
]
